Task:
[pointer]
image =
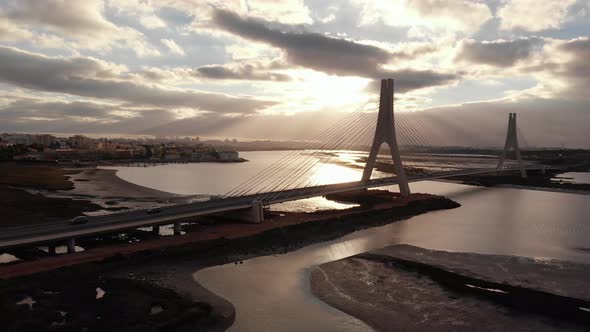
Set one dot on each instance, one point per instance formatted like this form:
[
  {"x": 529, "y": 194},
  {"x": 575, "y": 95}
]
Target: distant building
[
  {"x": 24, "y": 139},
  {"x": 62, "y": 144},
  {"x": 228, "y": 155},
  {"x": 46, "y": 140},
  {"x": 122, "y": 154},
  {"x": 82, "y": 142},
  {"x": 172, "y": 156}
]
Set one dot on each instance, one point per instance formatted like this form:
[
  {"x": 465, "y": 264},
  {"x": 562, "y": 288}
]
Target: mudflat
[{"x": 409, "y": 288}]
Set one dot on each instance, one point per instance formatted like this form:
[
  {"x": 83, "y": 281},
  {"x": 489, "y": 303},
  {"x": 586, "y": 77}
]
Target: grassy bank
[
  {"x": 34, "y": 176},
  {"x": 19, "y": 207}
]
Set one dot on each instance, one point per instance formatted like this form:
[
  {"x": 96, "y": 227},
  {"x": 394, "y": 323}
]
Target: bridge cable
[
  {"x": 245, "y": 186},
  {"x": 302, "y": 169},
  {"x": 310, "y": 156},
  {"x": 306, "y": 182}
]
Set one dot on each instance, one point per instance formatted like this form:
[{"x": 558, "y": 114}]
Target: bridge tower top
[
  {"x": 512, "y": 143},
  {"x": 385, "y": 133}
]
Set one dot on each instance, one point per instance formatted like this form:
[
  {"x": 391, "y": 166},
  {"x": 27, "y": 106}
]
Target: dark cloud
[
  {"x": 579, "y": 66},
  {"x": 331, "y": 55},
  {"x": 34, "y": 115},
  {"x": 241, "y": 72},
  {"x": 569, "y": 66},
  {"x": 89, "y": 77},
  {"x": 56, "y": 110},
  {"x": 498, "y": 53},
  {"x": 576, "y": 72},
  {"x": 311, "y": 50},
  {"x": 408, "y": 79},
  {"x": 155, "y": 74}
]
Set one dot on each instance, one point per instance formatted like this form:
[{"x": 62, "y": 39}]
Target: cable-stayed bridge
[{"x": 410, "y": 150}]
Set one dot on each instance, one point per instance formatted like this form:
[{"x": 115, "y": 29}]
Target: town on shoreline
[{"x": 79, "y": 149}]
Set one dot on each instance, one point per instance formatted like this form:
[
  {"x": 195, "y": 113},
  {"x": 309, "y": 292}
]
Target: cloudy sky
[{"x": 282, "y": 69}]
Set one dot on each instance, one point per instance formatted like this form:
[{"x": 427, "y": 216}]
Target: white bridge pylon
[
  {"x": 512, "y": 143},
  {"x": 385, "y": 133}
]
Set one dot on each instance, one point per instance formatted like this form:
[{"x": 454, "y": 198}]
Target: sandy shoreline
[
  {"x": 104, "y": 188},
  {"x": 105, "y": 183}
]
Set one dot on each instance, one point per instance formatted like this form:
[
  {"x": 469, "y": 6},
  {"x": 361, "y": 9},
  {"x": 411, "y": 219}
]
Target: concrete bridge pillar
[
  {"x": 512, "y": 143},
  {"x": 156, "y": 229},
  {"x": 71, "y": 245},
  {"x": 257, "y": 212},
  {"x": 253, "y": 215},
  {"x": 51, "y": 249},
  {"x": 177, "y": 228},
  {"x": 385, "y": 133}
]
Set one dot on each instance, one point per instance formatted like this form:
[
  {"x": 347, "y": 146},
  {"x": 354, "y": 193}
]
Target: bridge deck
[{"x": 39, "y": 234}]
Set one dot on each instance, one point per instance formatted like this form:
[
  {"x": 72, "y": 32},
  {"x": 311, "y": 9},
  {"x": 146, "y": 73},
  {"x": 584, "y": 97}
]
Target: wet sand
[
  {"x": 104, "y": 188},
  {"x": 408, "y": 288},
  {"x": 104, "y": 183}
]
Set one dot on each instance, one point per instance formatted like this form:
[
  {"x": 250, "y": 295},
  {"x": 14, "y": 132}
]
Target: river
[{"x": 271, "y": 293}]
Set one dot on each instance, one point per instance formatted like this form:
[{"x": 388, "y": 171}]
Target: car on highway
[
  {"x": 154, "y": 210},
  {"x": 79, "y": 220}
]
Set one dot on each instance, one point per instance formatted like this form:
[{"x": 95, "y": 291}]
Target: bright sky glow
[{"x": 135, "y": 67}]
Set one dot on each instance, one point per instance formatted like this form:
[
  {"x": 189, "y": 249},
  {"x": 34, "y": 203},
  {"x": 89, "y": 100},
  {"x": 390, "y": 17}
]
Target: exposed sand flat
[
  {"x": 105, "y": 188},
  {"x": 408, "y": 288},
  {"x": 105, "y": 184},
  {"x": 557, "y": 277}
]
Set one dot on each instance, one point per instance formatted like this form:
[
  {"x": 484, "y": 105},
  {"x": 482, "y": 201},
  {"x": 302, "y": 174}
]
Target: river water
[{"x": 271, "y": 293}]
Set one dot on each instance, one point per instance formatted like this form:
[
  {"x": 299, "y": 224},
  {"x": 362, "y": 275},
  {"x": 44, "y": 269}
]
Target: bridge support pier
[
  {"x": 177, "y": 228},
  {"x": 51, "y": 249},
  {"x": 156, "y": 229},
  {"x": 385, "y": 133},
  {"x": 71, "y": 244},
  {"x": 512, "y": 143},
  {"x": 252, "y": 215},
  {"x": 257, "y": 212}
]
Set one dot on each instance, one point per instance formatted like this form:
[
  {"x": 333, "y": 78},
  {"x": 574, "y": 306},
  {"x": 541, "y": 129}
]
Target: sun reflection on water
[{"x": 332, "y": 173}]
